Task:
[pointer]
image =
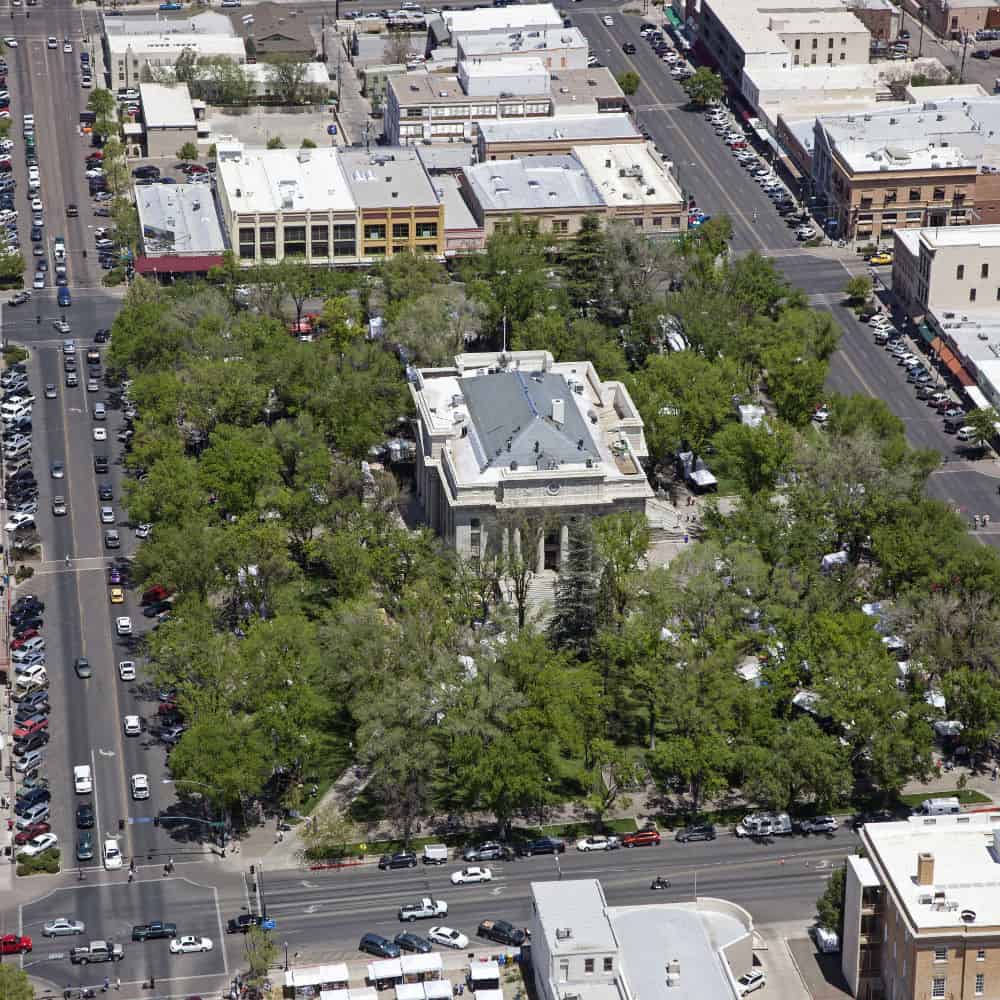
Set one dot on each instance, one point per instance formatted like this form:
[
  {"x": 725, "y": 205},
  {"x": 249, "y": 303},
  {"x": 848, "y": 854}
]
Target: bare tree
[
  {"x": 398, "y": 49},
  {"x": 518, "y": 565}
]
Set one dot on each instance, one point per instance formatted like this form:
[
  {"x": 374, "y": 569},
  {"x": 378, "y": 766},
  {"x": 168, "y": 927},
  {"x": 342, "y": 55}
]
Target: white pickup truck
[
  {"x": 423, "y": 909},
  {"x": 97, "y": 951},
  {"x": 764, "y": 825}
]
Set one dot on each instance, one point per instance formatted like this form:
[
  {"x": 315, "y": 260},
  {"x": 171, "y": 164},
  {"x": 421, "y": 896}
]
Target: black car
[
  {"x": 32, "y": 742},
  {"x": 380, "y": 947},
  {"x": 146, "y": 171},
  {"x": 23, "y": 624},
  {"x": 72, "y": 211},
  {"x": 84, "y": 816},
  {"x": 544, "y": 845},
  {"x": 157, "y": 608},
  {"x": 36, "y": 233},
  {"x": 408, "y": 941},
  {"x": 629, "y": 49},
  {"x": 102, "y": 336},
  {"x": 100, "y": 464},
  {"x": 699, "y": 831},
  {"x": 502, "y": 932},
  {"x": 404, "y": 859},
  {"x": 243, "y": 923},
  {"x": 31, "y": 798},
  {"x": 105, "y": 492}
]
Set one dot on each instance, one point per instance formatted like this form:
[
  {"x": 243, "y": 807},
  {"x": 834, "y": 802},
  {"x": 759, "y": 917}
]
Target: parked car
[
  {"x": 697, "y": 831},
  {"x": 380, "y": 947},
  {"x": 403, "y": 859}
]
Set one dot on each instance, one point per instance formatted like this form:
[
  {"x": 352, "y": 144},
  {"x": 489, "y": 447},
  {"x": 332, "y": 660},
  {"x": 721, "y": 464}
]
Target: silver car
[{"x": 62, "y": 927}]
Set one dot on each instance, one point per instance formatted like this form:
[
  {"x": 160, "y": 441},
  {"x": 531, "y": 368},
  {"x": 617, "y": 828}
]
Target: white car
[
  {"x": 142, "y": 530},
  {"x": 126, "y": 670},
  {"x": 112, "y": 855},
  {"x": 123, "y": 625},
  {"x": 879, "y": 319},
  {"x": 19, "y": 521},
  {"x": 188, "y": 944},
  {"x": 751, "y": 981},
  {"x": 608, "y": 21},
  {"x": 449, "y": 937},
  {"x": 36, "y": 205},
  {"x": 475, "y": 874},
  {"x": 38, "y": 844},
  {"x": 62, "y": 926},
  {"x": 52, "y": 42},
  {"x": 597, "y": 843},
  {"x": 61, "y": 325},
  {"x": 133, "y": 725},
  {"x": 107, "y": 513},
  {"x": 67, "y": 47},
  {"x": 10, "y": 41},
  {"x": 83, "y": 782},
  {"x": 140, "y": 786}
]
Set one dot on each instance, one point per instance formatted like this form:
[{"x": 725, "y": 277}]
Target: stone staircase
[
  {"x": 541, "y": 597},
  {"x": 667, "y": 523}
]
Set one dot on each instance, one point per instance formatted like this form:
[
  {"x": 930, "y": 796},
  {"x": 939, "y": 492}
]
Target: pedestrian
[
  {"x": 131, "y": 865},
  {"x": 131, "y": 877},
  {"x": 986, "y": 519},
  {"x": 107, "y": 983},
  {"x": 118, "y": 983},
  {"x": 755, "y": 215}
]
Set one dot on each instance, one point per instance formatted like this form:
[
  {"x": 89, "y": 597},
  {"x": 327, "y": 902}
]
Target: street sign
[
  {"x": 140, "y": 819},
  {"x": 268, "y": 925}
]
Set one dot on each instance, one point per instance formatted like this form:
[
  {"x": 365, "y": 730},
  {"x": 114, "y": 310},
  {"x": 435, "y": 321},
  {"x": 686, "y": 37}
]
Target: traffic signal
[
  {"x": 253, "y": 869},
  {"x": 156, "y": 820},
  {"x": 121, "y": 825}
]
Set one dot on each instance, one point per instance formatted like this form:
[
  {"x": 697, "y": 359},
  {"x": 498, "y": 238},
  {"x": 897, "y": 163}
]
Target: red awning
[
  {"x": 172, "y": 264},
  {"x": 951, "y": 362}
]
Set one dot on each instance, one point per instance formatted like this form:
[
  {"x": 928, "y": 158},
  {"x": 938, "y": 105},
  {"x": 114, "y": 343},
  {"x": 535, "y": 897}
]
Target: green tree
[
  {"x": 408, "y": 276},
  {"x": 830, "y": 906},
  {"x": 584, "y": 268},
  {"x": 574, "y": 619},
  {"x": 704, "y": 86},
  {"x": 102, "y": 102},
  {"x": 974, "y": 701},
  {"x": 858, "y": 289},
  {"x": 615, "y": 772},
  {"x": 275, "y": 142},
  {"x": 327, "y": 835},
  {"x": 238, "y": 465},
  {"x": 621, "y": 542},
  {"x": 437, "y": 325},
  {"x": 983, "y": 422},
  {"x": 307, "y": 143},
  {"x": 189, "y": 151},
  {"x": 756, "y": 457},
  {"x": 261, "y": 952},
  {"x": 14, "y": 983},
  {"x": 287, "y": 77},
  {"x": 629, "y": 82}
]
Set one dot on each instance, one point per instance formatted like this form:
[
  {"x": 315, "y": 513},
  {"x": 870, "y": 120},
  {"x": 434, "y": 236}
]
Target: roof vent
[
  {"x": 925, "y": 868},
  {"x": 969, "y": 916},
  {"x": 562, "y": 933},
  {"x": 558, "y": 411}
]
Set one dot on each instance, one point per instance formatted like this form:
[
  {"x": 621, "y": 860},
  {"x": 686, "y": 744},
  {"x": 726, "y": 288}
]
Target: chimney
[
  {"x": 925, "y": 868},
  {"x": 558, "y": 412}
]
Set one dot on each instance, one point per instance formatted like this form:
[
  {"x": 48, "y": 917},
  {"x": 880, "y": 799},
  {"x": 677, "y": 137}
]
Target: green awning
[{"x": 672, "y": 19}]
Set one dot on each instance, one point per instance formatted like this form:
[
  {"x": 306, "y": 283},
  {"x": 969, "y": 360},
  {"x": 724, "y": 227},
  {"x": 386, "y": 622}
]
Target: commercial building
[
  {"x": 922, "y": 909},
  {"x": 168, "y": 118},
  {"x": 126, "y": 56},
  {"x": 276, "y": 29},
  {"x": 424, "y": 106},
  {"x": 557, "y": 48},
  {"x": 948, "y": 280},
  {"x": 327, "y": 206},
  {"x": 513, "y": 435},
  {"x": 397, "y": 205},
  {"x": 625, "y": 182},
  {"x": 208, "y": 22},
  {"x": 779, "y": 34},
  {"x": 181, "y": 231},
  {"x": 923, "y": 165},
  {"x": 581, "y": 947},
  {"x": 956, "y": 18},
  {"x": 446, "y": 27},
  {"x": 507, "y": 140}
]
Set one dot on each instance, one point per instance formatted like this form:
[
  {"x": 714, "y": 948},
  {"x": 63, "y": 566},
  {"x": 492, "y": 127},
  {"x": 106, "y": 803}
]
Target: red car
[
  {"x": 24, "y": 731},
  {"x": 24, "y": 637},
  {"x": 155, "y": 593},
  {"x": 29, "y": 833},
  {"x": 14, "y": 944},
  {"x": 641, "y": 838},
  {"x": 195, "y": 168}
]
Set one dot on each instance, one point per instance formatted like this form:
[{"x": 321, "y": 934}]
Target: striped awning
[{"x": 671, "y": 18}]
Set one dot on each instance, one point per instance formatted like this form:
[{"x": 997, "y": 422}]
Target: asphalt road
[{"x": 325, "y": 913}]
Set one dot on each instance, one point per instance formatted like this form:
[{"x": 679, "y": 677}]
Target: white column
[
  {"x": 540, "y": 561},
  {"x": 563, "y": 544}
]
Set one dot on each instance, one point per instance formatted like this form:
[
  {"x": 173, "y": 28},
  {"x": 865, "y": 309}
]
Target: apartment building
[
  {"x": 583, "y": 948},
  {"x": 327, "y": 206},
  {"x": 905, "y": 168},
  {"x": 430, "y": 107},
  {"x": 921, "y": 915},
  {"x": 520, "y": 434}
]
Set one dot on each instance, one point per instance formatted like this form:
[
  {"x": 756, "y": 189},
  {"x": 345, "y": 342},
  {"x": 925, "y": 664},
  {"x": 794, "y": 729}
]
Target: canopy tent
[
  {"x": 479, "y": 971},
  {"x": 326, "y": 977},
  {"x": 437, "y": 989},
  {"x": 385, "y": 969},
  {"x": 410, "y": 991},
  {"x": 426, "y": 966}
]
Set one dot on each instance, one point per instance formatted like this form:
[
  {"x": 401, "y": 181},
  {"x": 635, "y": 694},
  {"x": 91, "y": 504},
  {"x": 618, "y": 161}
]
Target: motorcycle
[{"x": 660, "y": 883}]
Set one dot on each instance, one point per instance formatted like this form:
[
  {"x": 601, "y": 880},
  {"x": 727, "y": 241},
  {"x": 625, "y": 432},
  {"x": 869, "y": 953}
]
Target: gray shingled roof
[{"x": 511, "y": 415}]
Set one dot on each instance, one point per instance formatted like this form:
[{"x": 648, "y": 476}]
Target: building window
[
  {"x": 560, "y": 226},
  {"x": 657, "y": 220},
  {"x": 972, "y": 295},
  {"x": 377, "y": 250},
  {"x": 320, "y": 239},
  {"x": 980, "y": 984},
  {"x": 795, "y": 61},
  {"x": 400, "y": 230},
  {"x": 843, "y": 56},
  {"x": 866, "y": 201},
  {"x": 914, "y": 194},
  {"x": 637, "y": 223},
  {"x": 798, "y": 44},
  {"x": 675, "y": 222},
  {"x": 345, "y": 241},
  {"x": 268, "y": 247},
  {"x": 813, "y": 59},
  {"x": 889, "y": 217},
  {"x": 427, "y": 230},
  {"x": 829, "y": 43},
  {"x": 940, "y": 953},
  {"x": 984, "y": 271},
  {"x": 843, "y": 40},
  {"x": 475, "y": 536},
  {"x": 939, "y": 194},
  {"x": 960, "y": 272},
  {"x": 914, "y": 216},
  {"x": 375, "y": 231},
  {"x": 890, "y": 196},
  {"x": 588, "y": 965},
  {"x": 295, "y": 241},
  {"x": 815, "y": 43},
  {"x": 981, "y": 954},
  {"x": 248, "y": 243},
  {"x": 829, "y": 59},
  {"x": 609, "y": 964},
  {"x": 937, "y": 986}
]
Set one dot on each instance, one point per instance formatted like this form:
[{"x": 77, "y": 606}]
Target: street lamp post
[
  {"x": 923, "y": 19},
  {"x": 286, "y": 956}
]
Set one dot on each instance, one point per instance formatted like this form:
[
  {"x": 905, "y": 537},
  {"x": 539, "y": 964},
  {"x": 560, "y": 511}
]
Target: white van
[
  {"x": 83, "y": 782},
  {"x": 33, "y": 814},
  {"x": 29, "y": 761},
  {"x": 967, "y": 433},
  {"x": 100, "y": 411},
  {"x": 112, "y": 855},
  {"x": 435, "y": 854},
  {"x": 940, "y": 807}
]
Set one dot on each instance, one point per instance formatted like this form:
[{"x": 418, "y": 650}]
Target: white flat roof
[
  {"x": 957, "y": 236},
  {"x": 517, "y": 66},
  {"x": 614, "y": 125},
  {"x": 645, "y": 181},
  {"x": 517, "y": 18},
  {"x": 166, "y": 106},
  {"x": 520, "y": 42},
  {"x": 315, "y": 73},
  {"x": 966, "y": 873},
  {"x": 553, "y": 182},
  {"x": 276, "y": 180},
  {"x": 754, "y": 24},
  {"x": 178, "y": 219},
  {"x": 217, "y": 45},
  {"x": 579, "y": 905}
]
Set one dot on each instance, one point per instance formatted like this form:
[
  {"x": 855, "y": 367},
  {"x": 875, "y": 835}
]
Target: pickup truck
[
  {"x": 423, "y": 909},
  {"x": 243, "y": 923},
  {"x": 502, "y": 932},
  {"x": 151, "y": 931},
  {"x": 97, "y": 951}
]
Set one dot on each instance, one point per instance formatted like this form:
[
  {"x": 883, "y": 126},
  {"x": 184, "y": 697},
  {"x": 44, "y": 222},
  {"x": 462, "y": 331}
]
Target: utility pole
[
  {"x": 965, "y": 47},
  {"x": 923, "y": 19}
]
